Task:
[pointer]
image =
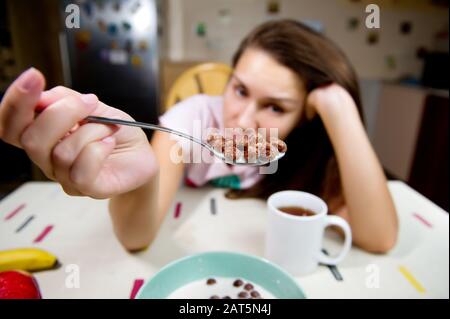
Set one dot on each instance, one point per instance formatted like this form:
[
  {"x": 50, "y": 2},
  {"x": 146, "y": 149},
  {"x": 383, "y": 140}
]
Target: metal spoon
[{"x": 105, "y": 120}]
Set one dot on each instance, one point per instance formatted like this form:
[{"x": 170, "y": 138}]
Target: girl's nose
[{"x": 247, "y": 119}]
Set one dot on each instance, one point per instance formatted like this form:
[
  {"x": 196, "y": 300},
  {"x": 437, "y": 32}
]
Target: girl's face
[{"x": 263, "y": 94}]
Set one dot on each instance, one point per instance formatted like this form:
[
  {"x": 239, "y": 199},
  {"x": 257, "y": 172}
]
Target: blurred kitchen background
[{"x": 129, "y": 52}]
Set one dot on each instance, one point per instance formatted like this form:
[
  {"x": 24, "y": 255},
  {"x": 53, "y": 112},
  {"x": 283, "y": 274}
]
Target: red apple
[{"x": 18, "y": 285}]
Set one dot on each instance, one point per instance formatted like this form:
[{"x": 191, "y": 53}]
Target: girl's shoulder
[
  {"x": 197, "y": 103},
  {"x": 206, "y": 108}
]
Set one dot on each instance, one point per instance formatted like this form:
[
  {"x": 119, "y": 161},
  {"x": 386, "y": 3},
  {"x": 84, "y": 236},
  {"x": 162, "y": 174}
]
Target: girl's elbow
[
  {"x": 388, "y": 239},
  {"x": 134, "y": 247},
  {"x": 382, "y": 245},
  {"x": 135, "y": 244},
  {"x": 387, "y": 244},
  {"x": 385, "y": 238}
]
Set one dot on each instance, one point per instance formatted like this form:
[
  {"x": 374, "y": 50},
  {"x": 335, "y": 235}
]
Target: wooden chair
[{"x": 206, "y": 78}]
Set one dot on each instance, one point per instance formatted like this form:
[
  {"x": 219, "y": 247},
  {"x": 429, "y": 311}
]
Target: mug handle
[{"x": 342, "y": 223}]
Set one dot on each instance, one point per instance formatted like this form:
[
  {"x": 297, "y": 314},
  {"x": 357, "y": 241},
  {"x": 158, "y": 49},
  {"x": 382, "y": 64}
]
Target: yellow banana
[{"x": 30, "y": 259}]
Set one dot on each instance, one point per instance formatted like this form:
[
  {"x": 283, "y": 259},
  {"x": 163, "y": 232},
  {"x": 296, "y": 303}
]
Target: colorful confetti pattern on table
[
  {"x": 411, "y": 279},
  {"x": 423, "y": 220},
  {"x": 44, "y": 234},
  {"x": 136, "y": 286},
  {"x": 334, "y": 270},
  {"x": 213, "y": 206},
  {"x": 177, "y": 211},
  {"x": 25, "y": 223},
  {"x": 14, "y": 212}
]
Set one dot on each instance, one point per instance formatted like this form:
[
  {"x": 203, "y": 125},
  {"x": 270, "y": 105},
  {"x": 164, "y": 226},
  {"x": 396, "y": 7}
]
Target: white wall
[{"x": 370, "y": 61}]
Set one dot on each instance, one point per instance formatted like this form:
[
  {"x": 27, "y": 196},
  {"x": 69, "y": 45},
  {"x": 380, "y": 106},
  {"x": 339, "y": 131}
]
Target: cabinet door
[
  {"x": 429, "y": 172},
  {"x": 397, "y": 127}
]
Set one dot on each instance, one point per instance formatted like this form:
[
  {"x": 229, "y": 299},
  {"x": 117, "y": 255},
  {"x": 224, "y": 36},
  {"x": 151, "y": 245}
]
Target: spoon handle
[{"x": 105, "y": 120}]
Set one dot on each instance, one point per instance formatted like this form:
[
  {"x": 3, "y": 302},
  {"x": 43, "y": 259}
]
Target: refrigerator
[{"x": 114, "y": 52}]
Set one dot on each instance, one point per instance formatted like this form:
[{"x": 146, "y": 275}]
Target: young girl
[{"x": 286, "y": 76}]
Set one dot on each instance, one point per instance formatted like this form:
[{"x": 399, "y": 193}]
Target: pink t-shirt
[{"x": 194, "y": 116}]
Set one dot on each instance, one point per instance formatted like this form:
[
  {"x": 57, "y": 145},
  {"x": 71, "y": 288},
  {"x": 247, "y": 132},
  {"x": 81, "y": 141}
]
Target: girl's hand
[
  {"x": 88, "y": 159},
  {"x": 330, "y": 98}
]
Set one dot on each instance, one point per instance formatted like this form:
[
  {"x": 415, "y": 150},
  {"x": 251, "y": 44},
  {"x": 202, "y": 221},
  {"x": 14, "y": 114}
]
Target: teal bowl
[{"x": 221, "y": 264}]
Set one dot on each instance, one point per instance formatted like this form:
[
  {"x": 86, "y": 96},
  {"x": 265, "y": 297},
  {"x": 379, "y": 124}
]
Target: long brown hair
[{"x": 310, "y": 164}]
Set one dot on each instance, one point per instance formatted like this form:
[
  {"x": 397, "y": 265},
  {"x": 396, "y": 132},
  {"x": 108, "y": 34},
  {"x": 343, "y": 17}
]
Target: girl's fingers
[
  {"x": 51, "y": 96},
  {"x": 18, "y": 104},
  {"x": 39, "y": 139},
  {"x": 70, "y": 190},
  {"x": 57, "y": 93},
  {"x": 66, "y": 151},
  {"x": 88, "y": 165}
]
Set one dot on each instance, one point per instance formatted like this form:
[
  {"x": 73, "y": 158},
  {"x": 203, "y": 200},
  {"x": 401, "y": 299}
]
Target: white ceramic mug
[{"x": 295, "y": 242}]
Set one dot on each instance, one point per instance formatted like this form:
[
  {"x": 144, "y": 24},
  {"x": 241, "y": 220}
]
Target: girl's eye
[
  {"x": 240, "y": 91},
  {"x": 275, "y": 108}
]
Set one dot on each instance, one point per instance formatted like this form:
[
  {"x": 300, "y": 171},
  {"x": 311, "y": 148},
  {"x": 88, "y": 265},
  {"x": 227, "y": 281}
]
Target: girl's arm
[
  {"x": 369, "y": 206},
  {"x": 138, "y": 215},
  {"x": 91, "y": 159}
]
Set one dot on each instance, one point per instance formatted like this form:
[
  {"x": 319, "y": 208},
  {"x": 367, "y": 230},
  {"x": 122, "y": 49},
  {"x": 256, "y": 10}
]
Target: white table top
[{"x": 418, "y": 267}]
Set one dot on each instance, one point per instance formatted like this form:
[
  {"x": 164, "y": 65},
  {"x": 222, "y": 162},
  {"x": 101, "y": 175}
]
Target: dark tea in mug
[{"x": 296, "y": 211}]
